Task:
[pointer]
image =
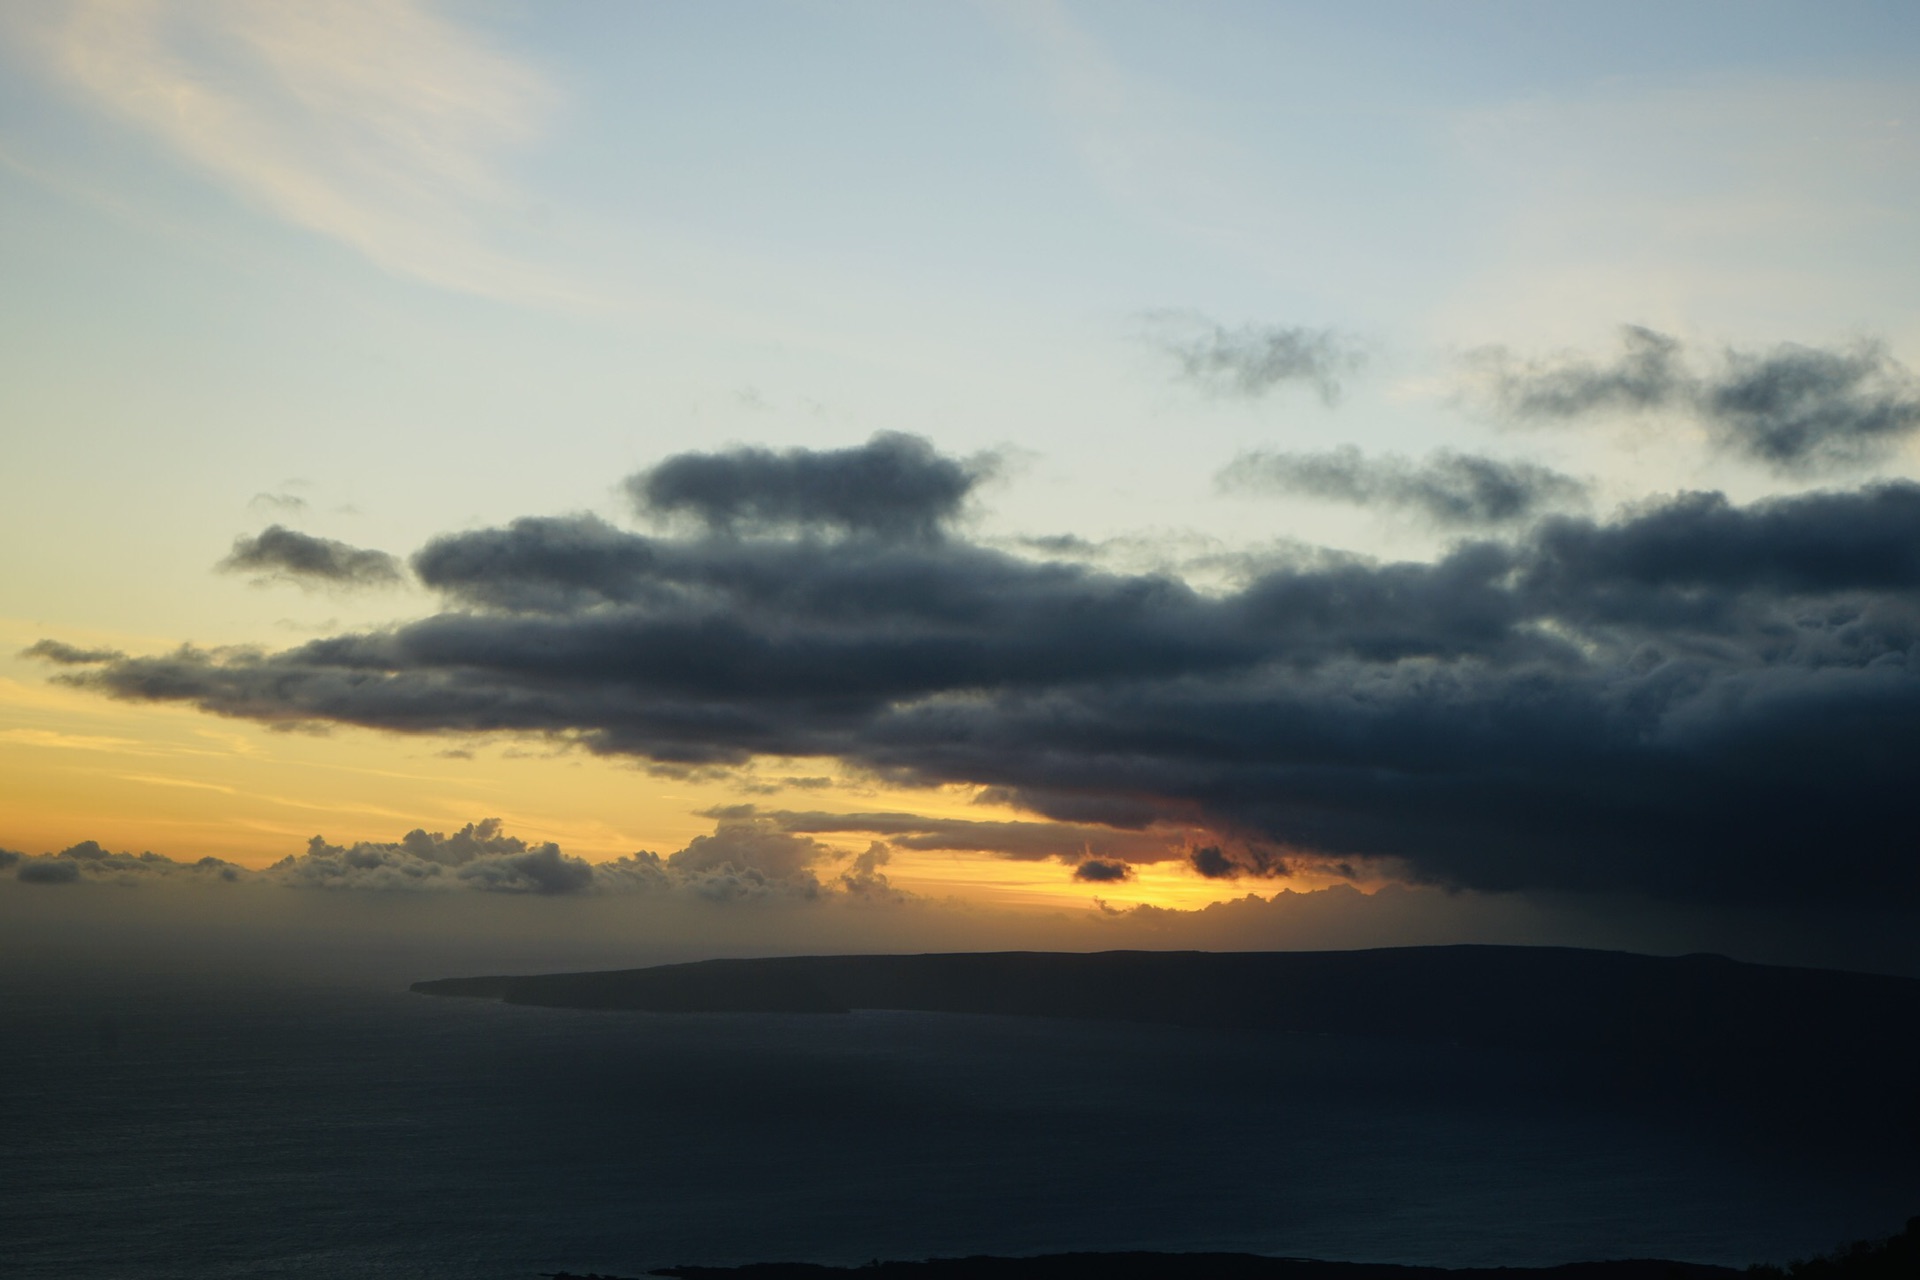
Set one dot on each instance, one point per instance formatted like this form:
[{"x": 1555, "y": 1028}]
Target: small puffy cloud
[
  {"x": 1101, "y": 871},
  {"x": 1254, "y": 360},
  {"x": 1217, "y": 863},
  {"x": 1794, "y": 409},
  {"x": 749, "y": 857},
  {"x": 863, "y": 878},
  {"x": 68, "y": 655},
  {"x": 541, "y": 870},
  {"x": 1648, "y": 374},
  {"x": 1211, "y": 862},
  {"x": 894, "y": 485},
  {"x": 1801, "y": 408},
  {"x": 48, "y": 871},
  {"x": 278, "y": 552},
  {"x": 1451, "y": 489}
]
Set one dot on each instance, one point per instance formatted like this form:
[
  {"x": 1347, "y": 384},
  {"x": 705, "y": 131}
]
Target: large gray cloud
[
  {"x": 895, "y": 485},
  {"x": 1795, "y": 409},
  {"x": 1450, "y": 489},
  {"x": 289, "y": 555},
  {"x": 1698, "y": 700},
  {"x": 1253, "y": 360}
]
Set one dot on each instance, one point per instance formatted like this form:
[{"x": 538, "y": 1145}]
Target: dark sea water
[{"x": 177, "y": 1128}]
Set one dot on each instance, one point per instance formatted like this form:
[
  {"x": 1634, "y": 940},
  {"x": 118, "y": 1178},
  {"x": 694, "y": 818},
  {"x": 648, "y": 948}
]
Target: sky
[{"x": 1057, "y": 474}]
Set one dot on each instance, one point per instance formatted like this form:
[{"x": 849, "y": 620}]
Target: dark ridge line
[
  {"x": 1180, "y": 1266},
  {"x": 1895, "y": 1258}
]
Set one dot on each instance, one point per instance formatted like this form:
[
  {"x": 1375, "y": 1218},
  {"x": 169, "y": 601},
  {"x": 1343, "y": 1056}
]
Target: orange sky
[{"x": 75, "y": 766}]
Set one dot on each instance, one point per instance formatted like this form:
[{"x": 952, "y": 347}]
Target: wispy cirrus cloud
[{"x": 377, "y": 125}]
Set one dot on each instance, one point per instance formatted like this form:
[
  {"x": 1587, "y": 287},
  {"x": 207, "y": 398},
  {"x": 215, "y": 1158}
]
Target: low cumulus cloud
[
  {"x": 287, "y": 555},
  {"x": 746, "y": 858},
  {"x": 478, "y": 856},
  {"x": 894, "y": 485},
  {"x": 863, "y": 879},
  {"x": 1794, "y": 409},
  {"x": 1454, "y": 490},
  {"x": 1697, "y": 699},
  {"x": 1254, "y": 360},
  {"x": 89, "y": 861}
]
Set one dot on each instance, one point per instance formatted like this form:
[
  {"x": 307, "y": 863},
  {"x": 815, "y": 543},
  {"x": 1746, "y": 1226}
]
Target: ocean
[{"x": 180, "y": 1126}]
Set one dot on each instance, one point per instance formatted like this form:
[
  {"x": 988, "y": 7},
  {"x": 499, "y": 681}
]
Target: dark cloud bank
[
  {"x": 1795, "y": 409},
  {"x": 1697, "y": 701}
]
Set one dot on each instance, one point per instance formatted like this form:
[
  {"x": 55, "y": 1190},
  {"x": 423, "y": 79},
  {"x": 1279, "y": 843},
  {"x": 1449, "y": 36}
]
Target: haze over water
[{"x": 162, "y": 1126}]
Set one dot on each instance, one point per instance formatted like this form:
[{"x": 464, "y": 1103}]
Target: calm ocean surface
[{"x": 175, "y": 1128}]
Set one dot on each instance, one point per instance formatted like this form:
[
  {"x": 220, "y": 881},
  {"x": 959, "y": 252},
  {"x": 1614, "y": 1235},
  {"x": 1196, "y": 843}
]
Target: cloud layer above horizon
[
  {"x": 1692, "y": 699},
  {"x": 746, "y": 858}
]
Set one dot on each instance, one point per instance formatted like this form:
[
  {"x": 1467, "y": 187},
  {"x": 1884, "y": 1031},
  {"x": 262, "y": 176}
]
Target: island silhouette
[
  {"x": 1693, "y": 1017},
  {"x": 1894, "y": 1258},
  {"x": 1788, "y": 1054}
]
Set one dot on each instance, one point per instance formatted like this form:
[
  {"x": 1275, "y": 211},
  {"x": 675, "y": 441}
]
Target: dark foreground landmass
[
  {"x": 1192, "y": 1266},
  {"x": 1896, "y": 1258},
  {"x": 1698, "y": 1017}
]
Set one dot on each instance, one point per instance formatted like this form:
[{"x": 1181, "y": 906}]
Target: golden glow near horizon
[{"x": 137, "y": 777}]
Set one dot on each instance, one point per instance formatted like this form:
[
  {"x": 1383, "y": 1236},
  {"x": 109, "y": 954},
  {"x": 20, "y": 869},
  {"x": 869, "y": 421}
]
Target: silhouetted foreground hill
[
  {"x": 1190, "y": 1266},
  {"x": 1689, "y": 1014},
  {"x": 1897, "y": 1258}
]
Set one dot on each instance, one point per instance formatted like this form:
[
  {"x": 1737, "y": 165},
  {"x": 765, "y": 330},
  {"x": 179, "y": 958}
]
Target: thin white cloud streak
[
  {"x": 377, "y": 125},
  {"x": 1137, "y": 139},
  {"x": 1745, "y": 206}
]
